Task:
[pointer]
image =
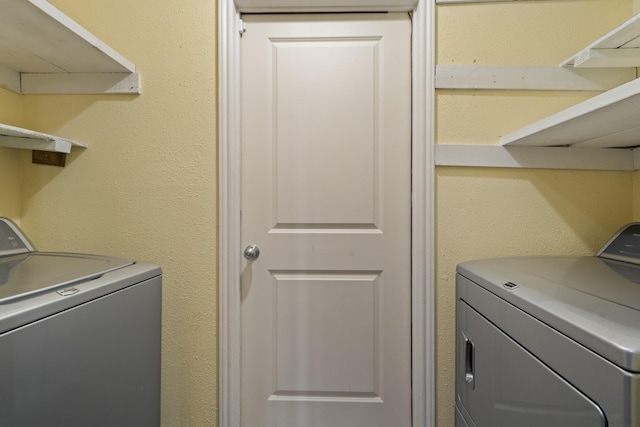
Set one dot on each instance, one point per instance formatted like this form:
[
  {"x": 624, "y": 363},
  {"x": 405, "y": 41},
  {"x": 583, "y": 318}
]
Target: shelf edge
[
  {"x": 496, "y": 156},
  {"x": 16, "y": 137},
  {"x": 80, "y": 83},
  {"x": 57, "y": 146}
]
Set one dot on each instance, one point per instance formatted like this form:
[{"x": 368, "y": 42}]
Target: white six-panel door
[{"x": 326, "y": 194}]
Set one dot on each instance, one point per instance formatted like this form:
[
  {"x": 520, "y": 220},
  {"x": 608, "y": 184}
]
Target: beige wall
[
  {"x": 11, "y": 113},
  {"x": 483, "y": 213},
  {"x": 146, "y": 186}
]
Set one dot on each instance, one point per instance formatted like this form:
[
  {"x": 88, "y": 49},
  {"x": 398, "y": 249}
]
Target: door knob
[{"x": 251, "y": 252}]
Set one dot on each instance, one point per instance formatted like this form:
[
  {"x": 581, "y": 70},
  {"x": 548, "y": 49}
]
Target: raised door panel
[{"x": 326, "y": 150}]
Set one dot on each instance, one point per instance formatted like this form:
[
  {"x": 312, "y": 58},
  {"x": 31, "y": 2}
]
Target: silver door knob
[{"x": 251, "y": 252}]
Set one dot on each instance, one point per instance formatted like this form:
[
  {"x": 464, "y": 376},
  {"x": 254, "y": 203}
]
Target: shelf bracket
[{"x": 50, "y": 158}]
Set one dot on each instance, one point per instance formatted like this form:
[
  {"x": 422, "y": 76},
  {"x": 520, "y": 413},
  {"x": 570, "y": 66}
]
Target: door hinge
[{"x": 243, "y": 28}]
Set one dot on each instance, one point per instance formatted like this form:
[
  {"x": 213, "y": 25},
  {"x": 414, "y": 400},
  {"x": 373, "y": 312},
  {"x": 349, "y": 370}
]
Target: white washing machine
[
  {"x": 79, "y": 338},
  {"x": 550, "y": 341}
]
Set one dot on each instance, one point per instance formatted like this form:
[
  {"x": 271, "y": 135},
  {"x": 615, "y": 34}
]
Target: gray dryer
[{"x": 550, "y": 341}]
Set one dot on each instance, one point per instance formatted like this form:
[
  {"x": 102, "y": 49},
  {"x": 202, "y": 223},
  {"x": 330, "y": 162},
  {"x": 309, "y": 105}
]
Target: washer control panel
[
  {"x": 11, "y": 239},
  {"x": 624, "y": 245}
]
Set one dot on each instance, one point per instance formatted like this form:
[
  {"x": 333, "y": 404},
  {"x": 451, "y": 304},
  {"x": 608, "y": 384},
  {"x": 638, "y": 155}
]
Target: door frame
[{"x": 422, "y": 214}]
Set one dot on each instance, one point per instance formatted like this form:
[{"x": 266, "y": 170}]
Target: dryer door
[{"x": 499, "y": 383}]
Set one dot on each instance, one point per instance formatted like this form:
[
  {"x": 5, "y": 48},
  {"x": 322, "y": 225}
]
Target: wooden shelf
[
  {"x": 618, "y": 48},
  {"x": 15, "y": 137},
  {"x": 44, "y": 51}
]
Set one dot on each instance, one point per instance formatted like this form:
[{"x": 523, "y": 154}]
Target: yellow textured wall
[
  {"x": 146, "y": 186},
  {"x": 484, "y": 212},
  {"x": 11, "y": 113}
]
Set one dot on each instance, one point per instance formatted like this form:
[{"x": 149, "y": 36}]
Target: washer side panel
[{"x": 95, "y": 364}]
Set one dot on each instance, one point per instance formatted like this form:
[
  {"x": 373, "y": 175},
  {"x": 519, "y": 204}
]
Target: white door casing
[
  {"x": 326, "y": 195},
  {"x": 423, "y": 314}
]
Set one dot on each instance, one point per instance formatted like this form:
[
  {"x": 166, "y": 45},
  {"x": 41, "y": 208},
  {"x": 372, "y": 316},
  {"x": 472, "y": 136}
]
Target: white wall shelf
[
  {"x": 573, "y": 138},
  {"x": 44, "y": 51},
  {"x": 608, "y": 120},
  {"x": 15, "y": 137},
  {"x": 618, "y": 48},
  {"x": 611, "y": 119},
  {"x": 47, "y": 149}
]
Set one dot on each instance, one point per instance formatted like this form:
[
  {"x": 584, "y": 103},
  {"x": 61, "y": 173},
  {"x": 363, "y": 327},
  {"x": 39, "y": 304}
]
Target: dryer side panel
[{"x": 500, "y": 383}]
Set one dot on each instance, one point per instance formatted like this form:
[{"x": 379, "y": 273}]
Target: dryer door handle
[{"x": 469, "y": 363}]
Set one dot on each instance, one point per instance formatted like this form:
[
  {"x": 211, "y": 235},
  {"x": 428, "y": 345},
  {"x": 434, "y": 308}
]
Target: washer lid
[
  {"x": 594, "y": 301},
  {"x": 24, "y": 275}
]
